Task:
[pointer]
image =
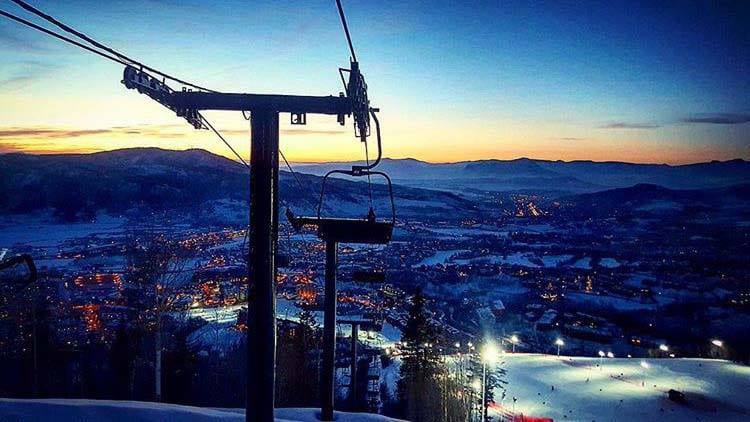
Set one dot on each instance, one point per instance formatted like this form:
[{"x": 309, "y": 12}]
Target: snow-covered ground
[
  {"x": 622, "y": 390},
  {"x": 64, "y": 410}
]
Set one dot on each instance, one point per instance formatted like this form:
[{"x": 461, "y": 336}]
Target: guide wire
[
  {"x": 61, "y": 37},
  {"x": 210, "y": 126},
  {"x": 113, "y": 56},
  {"x": 346, "y": 29},
  {"x": 101, "y": 46}
]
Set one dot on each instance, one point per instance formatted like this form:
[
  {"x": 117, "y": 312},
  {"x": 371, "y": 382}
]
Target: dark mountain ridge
[
  {"x": 545, "y": 175},
  {"x": 76, "y": 186}
]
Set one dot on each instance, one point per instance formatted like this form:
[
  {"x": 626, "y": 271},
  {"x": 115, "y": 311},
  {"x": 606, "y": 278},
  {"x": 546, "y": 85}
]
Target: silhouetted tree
[
  {"x": 121, "y": 363},
  {"x": 417, "y": 391}
]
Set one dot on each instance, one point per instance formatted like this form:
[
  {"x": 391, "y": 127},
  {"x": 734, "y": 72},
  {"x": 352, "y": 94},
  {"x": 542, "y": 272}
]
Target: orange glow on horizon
[{"x": 323, "y": 144}]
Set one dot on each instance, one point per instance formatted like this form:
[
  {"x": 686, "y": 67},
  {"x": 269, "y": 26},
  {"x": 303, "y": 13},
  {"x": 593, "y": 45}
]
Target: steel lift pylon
[
  {"x": 264, "y": 205},
  {"x": 264, "y": 202}
]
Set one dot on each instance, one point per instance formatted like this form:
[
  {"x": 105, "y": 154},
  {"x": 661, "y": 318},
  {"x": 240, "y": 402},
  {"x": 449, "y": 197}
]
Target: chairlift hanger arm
[
  {"x": 241, "y": 102},
  {"x": 359, "y": 173}
]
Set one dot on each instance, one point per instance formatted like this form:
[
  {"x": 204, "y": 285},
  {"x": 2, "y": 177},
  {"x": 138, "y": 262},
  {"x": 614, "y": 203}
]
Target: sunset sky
[{"x": 630, "y": 81}]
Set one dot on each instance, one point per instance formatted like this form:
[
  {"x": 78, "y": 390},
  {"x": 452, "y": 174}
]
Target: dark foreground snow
[{"x": 64, "y": 410}]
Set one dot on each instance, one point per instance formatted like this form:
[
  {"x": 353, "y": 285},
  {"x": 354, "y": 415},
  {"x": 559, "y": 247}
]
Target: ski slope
[
  {"x": 69, "y": 410},
  {"x": 622, "y": 390}
]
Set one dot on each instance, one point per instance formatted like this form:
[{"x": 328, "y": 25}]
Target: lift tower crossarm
[{"x": 193, "y": 100}]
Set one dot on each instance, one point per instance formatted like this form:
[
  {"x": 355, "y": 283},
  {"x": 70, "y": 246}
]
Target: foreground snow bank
[{"x": 133, "y": 411}]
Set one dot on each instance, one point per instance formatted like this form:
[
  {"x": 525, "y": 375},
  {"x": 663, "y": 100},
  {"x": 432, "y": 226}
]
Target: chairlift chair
[{"x": 368, "y": 230}]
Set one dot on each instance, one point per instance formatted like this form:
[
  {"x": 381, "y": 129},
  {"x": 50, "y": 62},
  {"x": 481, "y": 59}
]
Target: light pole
[
  {"x": 663, "y": 348},
  {"x": 489, "y": 357},
  {"x": 645, "y": 366},
  {"x": 513, "y": 341},
  {"x": 477, "y": 386},
  {"x": 559, "y": 343},
  {"x": 601, "y": 356}
]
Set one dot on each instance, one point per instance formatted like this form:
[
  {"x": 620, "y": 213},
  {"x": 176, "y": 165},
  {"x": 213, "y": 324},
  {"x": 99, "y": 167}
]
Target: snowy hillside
[
  {"x": 623, "y": 390},
  {"x": 132, "y": 411}
]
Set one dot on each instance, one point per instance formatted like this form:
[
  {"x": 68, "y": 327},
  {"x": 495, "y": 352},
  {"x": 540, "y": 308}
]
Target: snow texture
[
  {"x": 622, "y": 390},
  {"x": 80, "y": 410}
]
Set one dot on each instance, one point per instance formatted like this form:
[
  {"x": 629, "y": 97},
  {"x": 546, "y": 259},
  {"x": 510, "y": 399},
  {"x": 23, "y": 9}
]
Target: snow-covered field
[
  {"x": 65, "y": 410},
  {"x": 622, "y": 390}
]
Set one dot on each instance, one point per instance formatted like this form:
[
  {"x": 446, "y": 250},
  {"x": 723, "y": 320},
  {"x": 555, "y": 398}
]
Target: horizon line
[{"x": 91, "y": 152}]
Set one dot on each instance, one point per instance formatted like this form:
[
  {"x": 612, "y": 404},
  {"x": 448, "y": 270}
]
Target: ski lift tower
[
  {"x": 264, "y": 205},
  {"x": 264, "y": 202}
]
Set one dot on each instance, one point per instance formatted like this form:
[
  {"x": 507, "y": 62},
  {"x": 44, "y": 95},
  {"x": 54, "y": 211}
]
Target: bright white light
[
  {"x": 489, "y": 353},
  {"x": 477, "y": 385},
  {"x": 610, "y": 355},
  {"x": 470, "y": 344},
  {"x": 717, "y": 343},
  {"x": 663, "y": 347},
  {"x": 458, "y": 345},
  {"x": 601, "y": 354},
  {"x": 559, "y": 342},
  {"x": 671, "y": 355},
  {"x": 644, "y": 364},
  {"x": 514, "y": 339}
]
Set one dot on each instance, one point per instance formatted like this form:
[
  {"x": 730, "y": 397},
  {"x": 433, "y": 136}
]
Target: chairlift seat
[{"x": 348, "y": 230}]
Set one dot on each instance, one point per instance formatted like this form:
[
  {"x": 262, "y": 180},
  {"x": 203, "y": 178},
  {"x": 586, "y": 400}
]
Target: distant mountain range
[
  {"x": 76, "y": 186},
  {"x": 526, "y": 174},
  {"x": 732, "y": 202},
  {"x": 141, "y": 181}
]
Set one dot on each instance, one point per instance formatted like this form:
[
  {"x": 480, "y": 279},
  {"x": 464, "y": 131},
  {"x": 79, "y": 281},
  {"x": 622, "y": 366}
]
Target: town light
[
  {"x": 458, "y": 345},
  {"x": 559, "y": 343},
  {"x": 717, "y": 343},
  {"x": 663, "y": 347},
  {"x": 490, "y": 353},
  {"x": 513, "y": 341},
  {"x": 601, "y": 354},
  {"x": 610, "y": 355}
]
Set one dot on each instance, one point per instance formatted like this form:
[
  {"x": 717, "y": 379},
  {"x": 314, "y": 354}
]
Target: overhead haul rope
[
  {"x": 99, "y": 45},
  {"x": 111, "y": 54}
]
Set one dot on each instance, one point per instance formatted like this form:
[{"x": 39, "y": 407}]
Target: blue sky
[{"x": 631, "y": 81}]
